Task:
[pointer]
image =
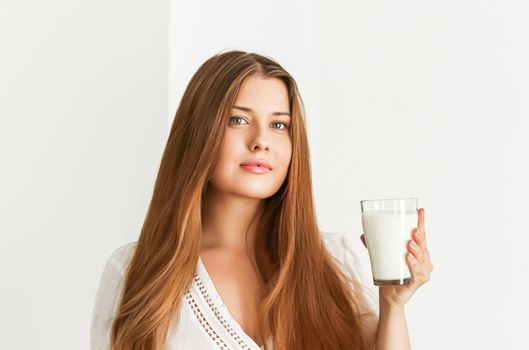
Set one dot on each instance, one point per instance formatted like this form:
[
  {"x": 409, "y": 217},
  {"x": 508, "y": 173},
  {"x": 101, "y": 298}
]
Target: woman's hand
[{"x": 418, "y": 260}]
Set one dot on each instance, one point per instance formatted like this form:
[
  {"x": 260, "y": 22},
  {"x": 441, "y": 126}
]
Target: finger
[
  {"x": 416, "y": 250},
  {"x": 417, "y": 273},
  {"x": 363, "y": 239},
  {"x": 428, "y": 265},
  {"x": 420, "y": 238},
  {"x": 420, "y": 213},
  {"x": 414, "y": 266}
]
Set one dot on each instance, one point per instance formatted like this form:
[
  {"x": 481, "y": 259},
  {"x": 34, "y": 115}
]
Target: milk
[{"x": 387, "y": 234}]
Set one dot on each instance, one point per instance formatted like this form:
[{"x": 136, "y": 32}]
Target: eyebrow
[{"x": 246, "y": 109}]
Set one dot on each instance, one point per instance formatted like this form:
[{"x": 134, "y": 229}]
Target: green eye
[
  {"x": 281, "y": 123},
  {"x": 236, "y": 118},
  {"x": 239, "y": 121}
]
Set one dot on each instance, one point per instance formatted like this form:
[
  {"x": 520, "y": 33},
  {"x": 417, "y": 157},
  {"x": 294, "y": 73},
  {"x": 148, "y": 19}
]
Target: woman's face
[{"x": 257, "y": 128}]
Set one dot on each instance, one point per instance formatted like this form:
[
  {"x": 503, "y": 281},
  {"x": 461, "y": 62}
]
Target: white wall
[
  {"x": 83, "y": 120},
  {"x": 429, "y": 99},
  {"x": 409, "y": 98}
]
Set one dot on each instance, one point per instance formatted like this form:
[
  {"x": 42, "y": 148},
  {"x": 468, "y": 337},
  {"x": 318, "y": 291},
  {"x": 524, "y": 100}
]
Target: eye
[
  {"x": 281, "y": 123},
  {"x": 236, "y": 118},
  {"x": 239, "y": 121}
]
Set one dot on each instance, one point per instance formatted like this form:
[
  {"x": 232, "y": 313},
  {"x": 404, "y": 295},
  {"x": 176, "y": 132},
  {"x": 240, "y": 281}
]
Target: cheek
[
  {"x": 231, "y": 151},
  {"x": 284, "y": 154},
  {"x": 288, "y": 148},
  {"x": 231, "y": 146}
]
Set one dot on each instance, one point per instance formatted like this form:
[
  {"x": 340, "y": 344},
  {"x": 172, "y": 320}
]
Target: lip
[
  {"x": 256, "y": 169},
  {"x": 258, "y": 166}
]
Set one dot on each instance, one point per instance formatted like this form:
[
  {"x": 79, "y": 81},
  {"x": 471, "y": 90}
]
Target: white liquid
[{"x": 386, "y": 236}]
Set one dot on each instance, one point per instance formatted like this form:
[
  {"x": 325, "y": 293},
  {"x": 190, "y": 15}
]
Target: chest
[{"x": 240, "y": 286}]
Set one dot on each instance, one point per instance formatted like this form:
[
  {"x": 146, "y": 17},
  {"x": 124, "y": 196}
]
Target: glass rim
[{"x": 388, "y": 199}]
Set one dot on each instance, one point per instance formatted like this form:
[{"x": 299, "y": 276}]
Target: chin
[
  {"x": 256, "y": 190},
  {"x": 257, "y": 193}
]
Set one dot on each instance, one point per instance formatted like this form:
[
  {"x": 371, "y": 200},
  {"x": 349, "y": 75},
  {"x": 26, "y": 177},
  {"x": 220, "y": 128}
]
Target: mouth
[
  {"x": 257, "y": 162},
  {"x": 256, "y": 168}
]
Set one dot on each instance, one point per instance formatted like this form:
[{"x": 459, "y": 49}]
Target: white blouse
[{"x": 205, "y": 322}]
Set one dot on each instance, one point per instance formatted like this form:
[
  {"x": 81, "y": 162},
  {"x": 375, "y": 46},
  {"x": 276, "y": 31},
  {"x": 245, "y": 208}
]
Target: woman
[{"x": 230, "y": 255}]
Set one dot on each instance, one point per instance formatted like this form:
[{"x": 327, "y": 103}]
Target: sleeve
[
  {"x": 106, "y": 301},
  {"x": 355, "y": 263}
]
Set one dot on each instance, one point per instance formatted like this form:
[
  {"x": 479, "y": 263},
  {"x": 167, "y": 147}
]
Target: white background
[
  {"x": 419, "y": 99},
  {"x": 83, "y": 108}
]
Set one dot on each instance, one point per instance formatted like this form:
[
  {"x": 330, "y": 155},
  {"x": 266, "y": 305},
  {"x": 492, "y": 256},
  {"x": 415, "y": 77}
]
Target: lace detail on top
[
  {"x": 203, "y": 290},
  {"x": 204, "y": 322}
]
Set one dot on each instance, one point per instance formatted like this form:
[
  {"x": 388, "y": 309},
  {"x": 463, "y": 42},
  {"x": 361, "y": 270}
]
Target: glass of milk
[{"x": 388, "y": 225}]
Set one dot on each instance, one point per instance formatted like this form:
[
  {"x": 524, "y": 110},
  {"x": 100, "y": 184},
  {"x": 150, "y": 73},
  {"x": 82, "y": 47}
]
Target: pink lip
[
  {"x": 257, "y": 166},
  {"x": 256, "y": 169},
  {"x": 257, "y": 162}
]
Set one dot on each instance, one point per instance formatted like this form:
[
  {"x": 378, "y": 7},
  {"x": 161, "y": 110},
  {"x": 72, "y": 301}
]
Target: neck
[{"x": 229, "y": 220}]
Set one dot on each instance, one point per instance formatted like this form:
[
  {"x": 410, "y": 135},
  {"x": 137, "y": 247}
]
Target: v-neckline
[{"x": 217, "y": 299}]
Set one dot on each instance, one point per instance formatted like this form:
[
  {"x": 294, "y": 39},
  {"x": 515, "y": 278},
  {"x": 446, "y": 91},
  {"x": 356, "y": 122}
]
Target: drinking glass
[{"x": 388, "y": 225}]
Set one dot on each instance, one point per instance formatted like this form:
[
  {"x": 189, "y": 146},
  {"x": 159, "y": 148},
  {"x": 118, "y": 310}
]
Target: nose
[
  {"x": 259, "y": 141},
  {"x": 258, "y": 144}
]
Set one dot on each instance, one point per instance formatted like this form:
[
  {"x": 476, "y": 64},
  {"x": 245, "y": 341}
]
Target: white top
[{"x": 205, "y": 322}]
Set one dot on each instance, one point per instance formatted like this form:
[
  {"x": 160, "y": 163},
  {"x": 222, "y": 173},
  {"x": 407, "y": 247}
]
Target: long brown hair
[{"x": 308, "y": 302}]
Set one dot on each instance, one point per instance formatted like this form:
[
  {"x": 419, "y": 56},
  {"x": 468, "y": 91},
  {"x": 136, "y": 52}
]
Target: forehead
[{"x": 263, "y": 94}]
